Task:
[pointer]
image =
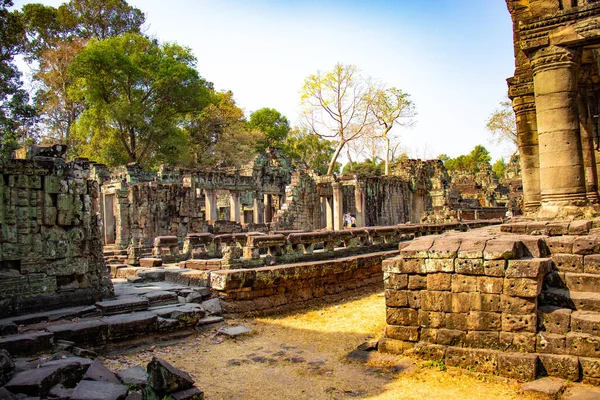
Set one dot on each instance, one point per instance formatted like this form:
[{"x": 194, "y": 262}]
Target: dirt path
[{"x": 305, "y": 356}]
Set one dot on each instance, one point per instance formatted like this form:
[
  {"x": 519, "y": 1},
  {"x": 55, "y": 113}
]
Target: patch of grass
[{"x": 440, "y": 365}]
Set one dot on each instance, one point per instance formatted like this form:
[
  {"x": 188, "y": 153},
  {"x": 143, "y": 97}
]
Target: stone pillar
[
  {"x": 527, "y": 140},
  {"x": 587, "y": 146},
  {"x": 210, "y": 205},
  {"x": 259, "y": 216},
  {"x": 268, "y": 202},
  {"x": 234, "y": 207},
  {"x": 562, "y": 180},
  {"x": 328, "y": 206},
  {"x": 360, "y": 200},
  {"x": 338, "y": 203}
]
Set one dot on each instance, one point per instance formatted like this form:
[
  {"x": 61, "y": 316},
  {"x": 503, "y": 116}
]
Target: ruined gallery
[{"x": 96, "y": 258}]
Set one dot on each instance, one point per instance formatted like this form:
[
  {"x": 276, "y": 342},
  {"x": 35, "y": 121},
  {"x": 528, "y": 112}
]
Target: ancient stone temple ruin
[
  {"x": 51, "y": 247},
  {"x": 555, "y": 97}
]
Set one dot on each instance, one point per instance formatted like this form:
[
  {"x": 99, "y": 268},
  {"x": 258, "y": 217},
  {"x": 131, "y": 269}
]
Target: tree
[
  {"x": 274, "y": 126},
  {"x": 499, "y": 168},
  {"x": 367, "y": 167},
  {"x": 391, "y": 107},
  {"x": 136, "y": 94},
  {"x": 309, "y": 148},
  {"x": 16, "y": 114},
  {"x": 502, "y": 124},
  {"x": 220, "y": 135},
  {"x": 55, "y": 37},
  {"x": 336, "y": 106},
  {"x": 470, "y": 162}
]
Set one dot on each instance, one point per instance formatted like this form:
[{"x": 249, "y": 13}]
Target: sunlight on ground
[{"x": 304, "y": 356}]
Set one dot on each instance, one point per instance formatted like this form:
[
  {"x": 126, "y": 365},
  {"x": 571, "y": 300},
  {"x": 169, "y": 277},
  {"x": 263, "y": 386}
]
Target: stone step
[
  {"x": 575, "y": 282},
  {"x": 580, "y": 301},
  {"x": 123, "y": 305},
  {"x": 28, "y": 343}
]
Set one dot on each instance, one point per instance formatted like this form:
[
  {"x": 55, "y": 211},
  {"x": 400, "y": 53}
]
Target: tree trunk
[
  {"x": 334, "y": 157},
  {"x": 349, "y": 158},
  {"x": 387, "y": 155}
]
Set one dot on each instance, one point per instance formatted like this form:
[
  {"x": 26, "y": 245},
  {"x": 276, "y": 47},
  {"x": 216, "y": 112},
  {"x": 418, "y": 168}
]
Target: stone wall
[
  {"x": 518, "y": 305},
  {"x": 51, "y": 247}
]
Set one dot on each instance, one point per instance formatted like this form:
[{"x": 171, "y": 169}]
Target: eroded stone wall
[{"x": 51, "y": 245}]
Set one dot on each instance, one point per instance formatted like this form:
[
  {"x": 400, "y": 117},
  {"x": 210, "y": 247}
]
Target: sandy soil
[{"x": 305, "y": 356}]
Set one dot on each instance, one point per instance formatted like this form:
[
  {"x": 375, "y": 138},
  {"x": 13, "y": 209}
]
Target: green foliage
[
  {"x": 16, "y": 114},
  {"x": 499, "y": 168},
  {"x": 274, "y": 126},
  {"x": 310, "y": 149},
  {"x": 367, "y": 167},
  {"x": 470, "y": 162},
  {"x": 136, "y": 95},
  {"x": 220, "y": 135},
  {"x": 440, "y": 365}
]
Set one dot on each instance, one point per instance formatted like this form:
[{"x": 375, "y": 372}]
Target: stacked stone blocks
[{"x": 519, "y": 306}]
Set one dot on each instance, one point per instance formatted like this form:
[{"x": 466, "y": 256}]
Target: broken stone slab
[
  {"x": 193, "y": 298},
  {"x": 160, "y": 298},
  {"x": 235, "y": 331},
  {"x": 78, "y": 351},
  {"x": 547, "y": 387},
  {"x": 8, "y": 328},
  {"x": 150, "y": 262},
  {"x": 27, "y": 343},
  {"x": 203, "y": 291},
  {"x": 94, "y": 390},
  {"x": 64, "y": 345},
  {"x": 125, "y": 326},
  {"x": 165, "y": 378},
  {"x": 167, "y": 324},
  {"x": 39, "y": 381},
  {"x": 212, "y": 306},
  {"x": 98, "y": 372},
  {"x": 188, "y": 394},
  {"x": 579, "y": 392},
  {"x": 135, "y": 376},
  {"x": 59, "y": 391},
  {"x": 89, "y": 332},
  {"x": 134, "y": 279},
  {"x": 207, "y": 323},
  {"x": 123, "y": 305}
]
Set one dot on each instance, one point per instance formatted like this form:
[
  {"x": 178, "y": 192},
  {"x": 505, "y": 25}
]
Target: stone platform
[{"x": 522, "y": 303}]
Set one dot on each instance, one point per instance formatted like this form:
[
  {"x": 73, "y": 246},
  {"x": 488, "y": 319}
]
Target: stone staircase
[
  {"x": 569, "y": 305},
  {"x": 147, "y": 310}
]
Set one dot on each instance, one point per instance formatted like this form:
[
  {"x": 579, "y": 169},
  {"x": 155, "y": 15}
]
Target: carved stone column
[
  {"x": 562, "y": 180},
  {"x": 587, "y": 145},
  {"x": 268, "y": 202},
  {"x": 527, "y": 140},
  {"x": 360, "y": 200},
  {"x": 259, "y": 216},
  {"x": 338, "y": 203},
  {"x": 210, "y": 205},
  {"x": 234, "y": 204}
]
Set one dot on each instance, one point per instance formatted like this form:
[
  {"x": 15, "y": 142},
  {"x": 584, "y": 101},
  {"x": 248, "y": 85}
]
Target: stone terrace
[{"x": 521, "y": 303}]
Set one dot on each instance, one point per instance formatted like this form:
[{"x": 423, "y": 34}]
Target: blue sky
[{"x": 451, "y": 56}]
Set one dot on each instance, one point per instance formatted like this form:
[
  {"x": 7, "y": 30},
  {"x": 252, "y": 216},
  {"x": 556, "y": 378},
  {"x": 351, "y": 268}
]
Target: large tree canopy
[
  {"x": 274, "y": 126},
  {"x": 136, "y": 94},
  {"x": 220, "y": 134},
  {"x": 16, "y": 114}
]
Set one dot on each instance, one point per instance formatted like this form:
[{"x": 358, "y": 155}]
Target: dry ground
[{"x": 304, "y": 356}]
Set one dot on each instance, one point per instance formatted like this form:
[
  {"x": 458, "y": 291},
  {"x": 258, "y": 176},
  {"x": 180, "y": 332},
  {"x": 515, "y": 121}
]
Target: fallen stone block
[
  {"x": 165, "y": 378},
  {"x": 98, "y": 372},
  {"x": 485, "y": 361},
  {"x": 212, "y": 306},
  {"x": 547, "y": 387},
  {"x": 135, "y": 376},
  {"x": 189, "y": 394},
  {"x": 235, "y": 331},
  {"x": 39, "y": 381},
  {"x": 94, "y": 390}
]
